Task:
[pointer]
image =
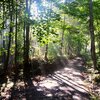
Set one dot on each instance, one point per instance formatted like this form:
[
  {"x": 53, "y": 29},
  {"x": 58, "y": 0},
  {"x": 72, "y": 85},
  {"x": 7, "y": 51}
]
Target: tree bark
[
  {"x": 16, "y": 38},
  {"x": 27, "y": 44},
  {"x": 62, "y": 37},
  {"x": 16, "y": 52},
  {"x": 10, "y": 32},
  {"x": 4, "y": 54},
  {"x": 46, "y": 53},
  {"x": 91, "y": 27}
]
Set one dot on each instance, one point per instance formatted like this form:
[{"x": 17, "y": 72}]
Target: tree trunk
[
  {"x": 26, "y": 54},
  {"x": 4, "y": 54},
  {"x": 99, "y": 48},
  {"x": 16, "y": 52},
  {"x": 46, "y": 53},
  {"x": 16, "y": 38},
  {"x": 78, "y": 48},
  {"x": 98, "y": 37},
  {"x": 62, "y": 37},
  {"x": 10, "y": 32},
  {"x": 91, "y": 26}
]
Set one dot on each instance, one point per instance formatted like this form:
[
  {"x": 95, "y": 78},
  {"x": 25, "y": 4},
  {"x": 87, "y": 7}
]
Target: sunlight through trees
[{"x": 37, "y": 37}]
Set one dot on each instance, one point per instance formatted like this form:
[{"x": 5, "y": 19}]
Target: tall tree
[
  {"x": 16, "y": 38},
  {"x": 10, "y": 33},
  {"x": 16, "y": 50},
  {"x": 27, "y": 44},
  {"x": 4, "y": 54},
  {"x": 91, "y": 26},
  {"x": 63, "y": 31}
]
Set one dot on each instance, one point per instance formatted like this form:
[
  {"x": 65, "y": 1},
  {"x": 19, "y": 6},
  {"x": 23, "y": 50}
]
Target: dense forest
[{"x": 39, "y": 39}]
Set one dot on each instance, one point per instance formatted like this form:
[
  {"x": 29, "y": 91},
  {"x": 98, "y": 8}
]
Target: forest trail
[
  {"x": 65, "y": 84},
  {"x": 68, "y": 83}
]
